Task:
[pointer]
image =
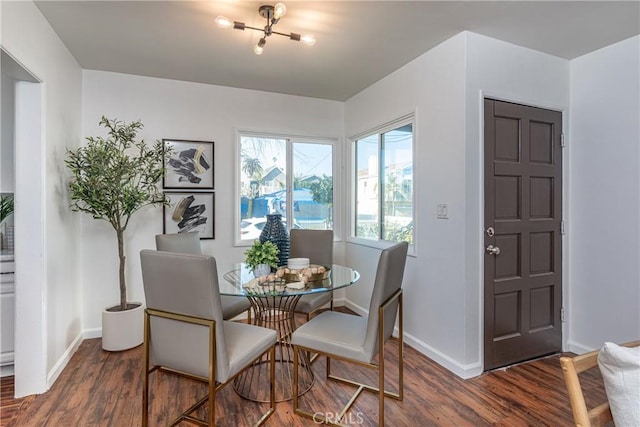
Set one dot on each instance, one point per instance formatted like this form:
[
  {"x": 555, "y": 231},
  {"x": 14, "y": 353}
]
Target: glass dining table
[{"x": 273, "y": 305}]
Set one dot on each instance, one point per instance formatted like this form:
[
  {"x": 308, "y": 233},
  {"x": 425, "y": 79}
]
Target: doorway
[{"x": 522, "y": 235}]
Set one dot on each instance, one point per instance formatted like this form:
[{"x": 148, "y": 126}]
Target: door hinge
[
  {"x": 562, "y": 314},
  {"x": 563, "y": 142},
  {"x": 563, "y": 228}
]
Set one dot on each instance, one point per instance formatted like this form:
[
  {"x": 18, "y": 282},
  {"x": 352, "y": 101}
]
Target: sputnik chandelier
[{"x": 272, "y": 14}]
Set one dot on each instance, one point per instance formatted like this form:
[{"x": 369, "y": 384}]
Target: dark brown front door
[{"x": 523, "y": 242}]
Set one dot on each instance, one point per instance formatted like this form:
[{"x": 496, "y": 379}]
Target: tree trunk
[{"x": 123, "y": 283}]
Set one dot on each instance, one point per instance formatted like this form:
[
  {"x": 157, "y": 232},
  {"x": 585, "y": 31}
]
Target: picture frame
[
  {"x": 188, "y": 164},
  {"x": 190, "y": 212}
]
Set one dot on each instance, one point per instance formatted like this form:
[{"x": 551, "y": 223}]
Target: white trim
[
  {"x": 30, "y": 249},
  {"x": 88, "y": 334},
  {"x": 57, "y": 369},
  {"x": 356, "y": 308},
  {"x": 461, "y": 370},
  {"x": 408, "y": 118},
  {"x": 387, "y": 126},
  {"x": 578, "y": 348}
]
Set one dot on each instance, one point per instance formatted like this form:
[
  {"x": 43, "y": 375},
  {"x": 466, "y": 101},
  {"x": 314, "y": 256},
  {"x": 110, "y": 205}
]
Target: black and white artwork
[
  {"x": 189, "y": 164},
  {"x": 190, "y": 212}
]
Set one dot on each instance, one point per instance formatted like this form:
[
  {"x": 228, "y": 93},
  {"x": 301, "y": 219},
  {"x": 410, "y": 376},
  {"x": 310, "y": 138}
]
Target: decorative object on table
[
  {"x": 190, "y": 212},
  {"x": 189, "y": 164},
  {"x": 298, "y": 263},
  {"x": 262, "y": 253},
  {"x": 112, "y": 178},
  {"x": 311, "y": 273},
  {"x": 275, "y": 231}
]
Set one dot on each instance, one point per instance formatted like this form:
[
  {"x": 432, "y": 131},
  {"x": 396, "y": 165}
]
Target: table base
[{"x": 275, "y": 312}]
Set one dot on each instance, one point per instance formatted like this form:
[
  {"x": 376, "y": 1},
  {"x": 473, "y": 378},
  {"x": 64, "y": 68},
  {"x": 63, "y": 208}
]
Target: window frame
[
  {"x": 379, "y": 130},
  {"x": 290, "y": 139}
]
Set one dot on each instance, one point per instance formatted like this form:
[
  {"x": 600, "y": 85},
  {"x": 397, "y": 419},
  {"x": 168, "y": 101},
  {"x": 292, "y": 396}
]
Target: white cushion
[{"x": 620, "y": 367}]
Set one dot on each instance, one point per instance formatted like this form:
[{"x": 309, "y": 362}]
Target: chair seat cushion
[
  {"x": 335, "y": 333},
  {"x": 311, "y": 302},
  {"x": 620, "y": 368},
  {"x": 233, "y": 306},
  {"x": 244, "y": 344}
]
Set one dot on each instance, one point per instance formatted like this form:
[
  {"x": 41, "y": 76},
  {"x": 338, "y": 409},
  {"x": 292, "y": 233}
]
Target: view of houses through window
[
  {"x": 269, "y": 167},
  {"x": 384, "y": 184}
]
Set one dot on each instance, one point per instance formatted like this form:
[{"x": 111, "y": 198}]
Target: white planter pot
[
  {"x": 122, "y": 330},
  {"x": 261, "y": 270}
]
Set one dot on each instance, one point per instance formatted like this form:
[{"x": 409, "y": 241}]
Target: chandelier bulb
[
  {"x": 279, "y": 10},
  {"x": 308, "y": 39},
  {"x": 224, "y": 22},
  {"x": 260, "y": 46}
]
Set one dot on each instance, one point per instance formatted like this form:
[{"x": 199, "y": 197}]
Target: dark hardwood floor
[{"x": 100, "y": 388}]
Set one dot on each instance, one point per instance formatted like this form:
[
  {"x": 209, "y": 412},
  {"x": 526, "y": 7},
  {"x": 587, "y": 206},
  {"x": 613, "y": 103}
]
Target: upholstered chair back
[
  {"x": 185, "y": 284},
  {"x": 388, "y": 280},
  {"x": 317, "y": 245},
  {"x": 184, "y": 243}
]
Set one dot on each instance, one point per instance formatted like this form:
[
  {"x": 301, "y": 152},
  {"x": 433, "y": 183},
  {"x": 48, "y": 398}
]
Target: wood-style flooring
[{"x": 99, "y": 388}]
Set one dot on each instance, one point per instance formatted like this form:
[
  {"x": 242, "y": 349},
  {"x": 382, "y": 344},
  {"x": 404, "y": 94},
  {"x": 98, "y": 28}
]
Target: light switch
[{"x": 442, "y": 211}]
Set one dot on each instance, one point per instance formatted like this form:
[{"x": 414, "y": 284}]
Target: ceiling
[{"x": 359, "y": 42}]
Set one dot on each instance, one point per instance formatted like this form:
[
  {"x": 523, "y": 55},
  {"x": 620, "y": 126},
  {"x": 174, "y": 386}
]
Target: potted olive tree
[{"x": 112, "y": 178}]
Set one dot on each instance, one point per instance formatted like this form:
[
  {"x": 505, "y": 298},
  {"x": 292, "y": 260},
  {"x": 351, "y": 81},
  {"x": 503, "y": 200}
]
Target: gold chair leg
[
  {"x": 381, "y": 386},
  {"x": 145, "y": 376},
  {"x": 381, "y": 392}
]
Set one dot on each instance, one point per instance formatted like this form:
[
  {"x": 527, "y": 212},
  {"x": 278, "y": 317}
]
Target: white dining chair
[
  {"x": 189, "y": 243},
  {"x": 356, "y": 339},
  {"x": 185, "y": 333}
]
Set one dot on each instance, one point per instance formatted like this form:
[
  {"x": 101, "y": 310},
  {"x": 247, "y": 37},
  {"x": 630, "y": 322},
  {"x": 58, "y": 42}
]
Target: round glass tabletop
[{"x": 240, "y": 281}]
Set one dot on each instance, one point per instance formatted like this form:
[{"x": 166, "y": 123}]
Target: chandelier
[{"x": 272, "y": 14}]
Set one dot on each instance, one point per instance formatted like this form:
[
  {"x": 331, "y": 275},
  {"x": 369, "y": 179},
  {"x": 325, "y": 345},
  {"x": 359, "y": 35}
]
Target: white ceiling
[{"x": 359, "y": 42}]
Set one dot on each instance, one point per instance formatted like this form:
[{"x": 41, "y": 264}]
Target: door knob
[{"x": 493, "y": 250}]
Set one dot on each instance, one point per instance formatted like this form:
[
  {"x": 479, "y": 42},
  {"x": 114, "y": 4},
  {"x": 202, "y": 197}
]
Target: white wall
[
  {"x": 604, "y": 230},
  {"x": 504, "y": 71},
  {"x": 29, "y": 39},
  {"x": 443, "y": 283},
  {"x": 7, "y": 92},
  {"x": 432, "y": 86},
  {"x": 182, "y": 110}
]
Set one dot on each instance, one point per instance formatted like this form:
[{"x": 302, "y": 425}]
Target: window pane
[
  {"x": 313, "y": 186},
  {"x": 367, "y": 202},
  {"x": 263, "y": 180},
  {"x": 397, "y": 184}
]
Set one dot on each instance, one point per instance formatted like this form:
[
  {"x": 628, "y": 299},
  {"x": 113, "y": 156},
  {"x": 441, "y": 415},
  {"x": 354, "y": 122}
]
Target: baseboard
[
  {"x": 578, "y": 348},
  {"x": 461, "y": 370},
  {"x": 57, "y": 369},
  {"x": 88, "y": 334},
  {"x": 356, "y": 308}
]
